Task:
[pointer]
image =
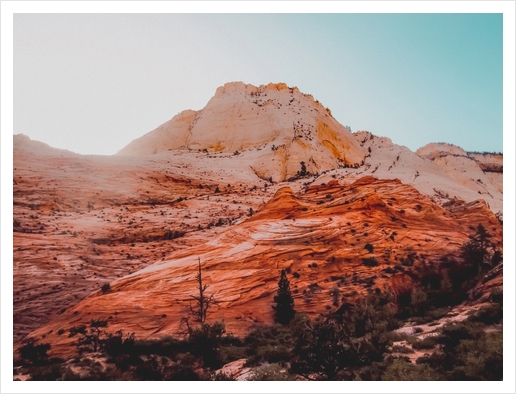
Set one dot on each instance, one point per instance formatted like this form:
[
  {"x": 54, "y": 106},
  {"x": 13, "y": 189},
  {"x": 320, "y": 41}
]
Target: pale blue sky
[{"x": 91, "y": 83}]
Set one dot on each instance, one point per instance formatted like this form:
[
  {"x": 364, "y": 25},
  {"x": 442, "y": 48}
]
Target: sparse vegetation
[
  {"x": 203, "y": 301},
  {"x": 370, "y": 262}
]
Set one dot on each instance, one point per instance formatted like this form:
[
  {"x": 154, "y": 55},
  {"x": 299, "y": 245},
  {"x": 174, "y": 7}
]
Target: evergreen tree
[
  {"x": 284, "y": 302},
  {"x": 476, "y": 250},
  {"x": 303, "y": 171}
]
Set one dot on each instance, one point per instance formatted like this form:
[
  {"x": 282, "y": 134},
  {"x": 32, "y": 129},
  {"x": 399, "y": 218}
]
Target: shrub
[
  {"x": 496, "y": 296},
  {"x": 402, "y": 349},
  {"x": 401, "y": 369},
  {"x": 468, "y": 353},
  {"x": 436, "y": 314},
  {"x": 369, "y": 262},
  {"x": 269, "y": 354},
  {"x": 490, "y": 314},
  {"x": 231, "y": 353},
  {"x": 205, "y": 341},
  {"x": 275, "y": 335},
  {"x": 369, "y": 248},
  {"x": 32, "y": 353},
  {"x": 46, "y": 372},
  {"x": 220, "y": 376},
  {"x": 269, "y": 372},
  {"x": 454, "y": 333},
  {"x": 90, "y": 338},
  {"x": 426, "y": 343},
  {"x": 105, "y": 288},
  {"x": 418, "y": 301}
]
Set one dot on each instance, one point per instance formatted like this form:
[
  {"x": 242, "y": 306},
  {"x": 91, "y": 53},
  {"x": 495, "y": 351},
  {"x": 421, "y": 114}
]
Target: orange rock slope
[
  {"x": 82, "y": 221},
  {"x": 319, "y": 236}
]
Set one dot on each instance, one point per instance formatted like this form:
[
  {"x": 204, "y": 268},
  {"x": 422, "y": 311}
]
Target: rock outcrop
[
  {"x": 349, "y": 237},
  {"x": 443, "y": 172},
  {"x": 480, "y": 171},
  {"x": 276, "y": 126}
]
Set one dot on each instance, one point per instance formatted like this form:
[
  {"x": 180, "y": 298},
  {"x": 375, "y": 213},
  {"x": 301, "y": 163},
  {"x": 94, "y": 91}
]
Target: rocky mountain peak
[{"x": 274, "y": 125}]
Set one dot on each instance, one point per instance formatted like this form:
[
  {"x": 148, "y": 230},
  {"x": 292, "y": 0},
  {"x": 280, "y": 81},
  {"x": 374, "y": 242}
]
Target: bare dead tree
[{"x": 202, "y": 301}]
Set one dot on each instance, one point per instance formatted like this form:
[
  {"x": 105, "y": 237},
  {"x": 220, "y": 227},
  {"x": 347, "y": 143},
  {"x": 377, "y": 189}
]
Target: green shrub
[
  {"x": 205, "y": 341},
  {"x": 402, "y": 349},
  {"x": 436, "y": 314},
  {"x": 454, "y": 333},
  {"x": 50, "y": 372},
  {"x": 231, "y": 353},
  {"x": 401, "y": 369},
  {"x": 270, "y": 372},
  {"x": 490, "y": 314},
  {"x": 480, "y": 359},
  {"x": 427, "y": 343},
  {"x": 32, "y": 353},
  {"x": 269, "y": 354},
  {"x": 276, "y": 335},
  {"x": 220, "y": 376}
]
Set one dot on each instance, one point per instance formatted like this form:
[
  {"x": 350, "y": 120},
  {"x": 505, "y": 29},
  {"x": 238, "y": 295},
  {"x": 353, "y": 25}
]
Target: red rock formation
[
  {"x": 83, "y": 221},
  {"x": 319, "y": 236}
]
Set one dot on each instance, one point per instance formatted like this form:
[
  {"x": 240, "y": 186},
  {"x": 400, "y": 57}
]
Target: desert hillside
[{"x": 351, "y": 237}]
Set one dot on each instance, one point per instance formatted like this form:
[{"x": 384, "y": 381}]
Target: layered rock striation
[{"x": 350, "y": 237}]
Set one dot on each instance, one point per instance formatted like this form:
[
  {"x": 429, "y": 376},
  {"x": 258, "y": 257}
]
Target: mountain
[
  {"x": 478, "y": 171},
  {"x": 450, "y": 176},
  {"x": 275, "y": 126},
  {"x": 225, "y": 184}
]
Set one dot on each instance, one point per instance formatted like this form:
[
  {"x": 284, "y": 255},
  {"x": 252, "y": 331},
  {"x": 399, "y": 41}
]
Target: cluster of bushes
[
  {"x": 194, "y": 358},
  {"x": 449, "y": 282},
  {"x": 466, "y": 352},
  {"x": 352, "y": 342}
]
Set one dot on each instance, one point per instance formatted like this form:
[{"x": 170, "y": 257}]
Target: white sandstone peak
[{"x": 277, "y": 126}]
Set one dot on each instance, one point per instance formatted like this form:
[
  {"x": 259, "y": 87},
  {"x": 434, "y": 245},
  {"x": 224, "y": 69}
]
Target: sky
[{"x": 91, "y": 83}]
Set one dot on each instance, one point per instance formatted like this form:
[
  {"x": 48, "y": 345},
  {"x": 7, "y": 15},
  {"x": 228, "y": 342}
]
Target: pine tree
[
  {"x": 476, "y": 250},
  {"x": 284, "y": 308},
  {"x": 303, "y": 171}
]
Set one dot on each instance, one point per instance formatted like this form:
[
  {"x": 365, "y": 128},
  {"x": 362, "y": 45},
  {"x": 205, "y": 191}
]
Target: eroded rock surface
[
  {"x": 319, "y": 236},
  {"x": 225, "y": 184},
  {"x": 274, "y": 126}
]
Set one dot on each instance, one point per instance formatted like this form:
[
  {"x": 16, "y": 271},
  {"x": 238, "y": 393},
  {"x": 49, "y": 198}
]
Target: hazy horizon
[{"x": 92, "y": 83}]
